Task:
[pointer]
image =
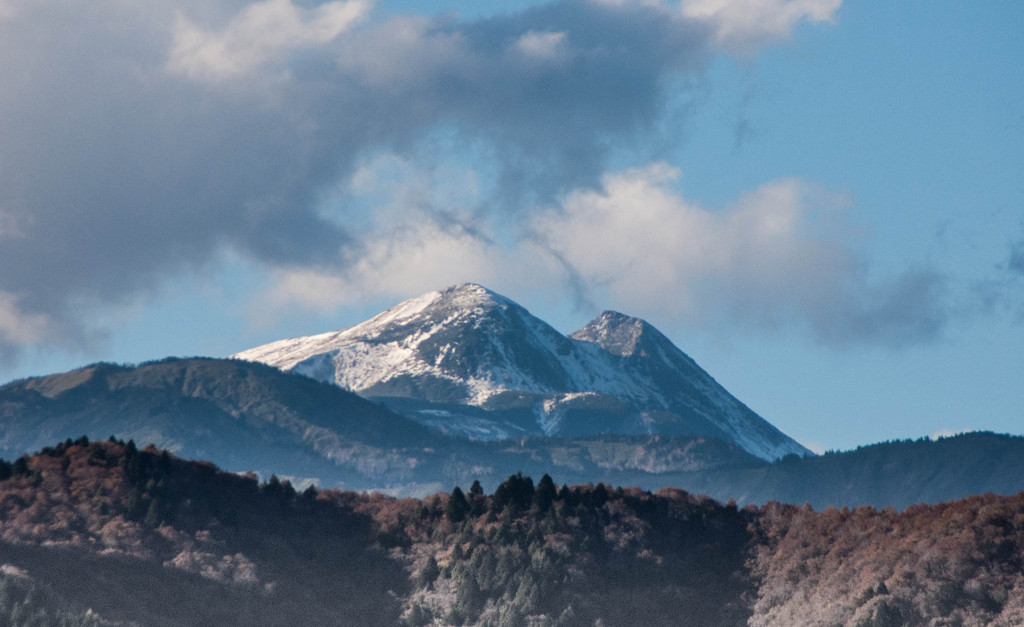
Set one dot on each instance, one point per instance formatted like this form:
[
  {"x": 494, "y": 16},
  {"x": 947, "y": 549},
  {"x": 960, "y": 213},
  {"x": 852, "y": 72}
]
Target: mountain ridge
[
  {"x": 248, "y": 416},
  {"x": 468, "y": 346}
]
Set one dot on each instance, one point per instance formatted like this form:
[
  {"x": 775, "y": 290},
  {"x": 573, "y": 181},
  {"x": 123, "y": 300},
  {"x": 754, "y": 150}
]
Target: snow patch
[{"x": 602, "y": 358}]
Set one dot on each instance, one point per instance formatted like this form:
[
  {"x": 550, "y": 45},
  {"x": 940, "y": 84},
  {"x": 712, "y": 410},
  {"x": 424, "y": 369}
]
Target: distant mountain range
[
  {"x": 465, "y": 385},
  {"x": 446, "y": 390},
  {"x": 474, "y": 363},
  {"x": 249, "y": 416}
]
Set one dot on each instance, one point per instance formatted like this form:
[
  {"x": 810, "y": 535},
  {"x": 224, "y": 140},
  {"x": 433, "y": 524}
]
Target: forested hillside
[
  {"x": 98, "y": 533},
  {"x": 898, "y": 474},
  {"x": 143, "y": 537},
  {"x": 248, "y": 416}
]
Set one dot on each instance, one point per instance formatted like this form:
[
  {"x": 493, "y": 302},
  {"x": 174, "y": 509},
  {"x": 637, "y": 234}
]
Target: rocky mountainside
[
  {"x": 249, "y": 416},
  {"x": 475, "y": 363},
  {"x": 243, "y": 416}
]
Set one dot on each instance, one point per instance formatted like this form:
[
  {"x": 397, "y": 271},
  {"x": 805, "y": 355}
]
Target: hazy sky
[{"x": 822, "y": 203}]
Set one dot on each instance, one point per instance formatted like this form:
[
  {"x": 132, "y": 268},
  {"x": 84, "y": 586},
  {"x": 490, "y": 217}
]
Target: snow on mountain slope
[
  {"x": 648, "y": 356},
  {"x": 469, "y": 347}
]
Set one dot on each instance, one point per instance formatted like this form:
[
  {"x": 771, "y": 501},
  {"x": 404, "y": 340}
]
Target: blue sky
[{"x": 821, "y": 202}]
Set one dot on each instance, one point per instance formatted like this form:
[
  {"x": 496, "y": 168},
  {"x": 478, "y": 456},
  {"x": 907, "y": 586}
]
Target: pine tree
[
  {"x": 457, "y": 506},
  {"x": 152, "y": 518},
  {"x": 477, "y": 500},
  {"x": 545, "y": 494},
  {"x": 428, "y": 574},
  {"x": 20, "y": 466},
  {"x": 516, "y": 492},
  {"x": 132, "y": 462}
]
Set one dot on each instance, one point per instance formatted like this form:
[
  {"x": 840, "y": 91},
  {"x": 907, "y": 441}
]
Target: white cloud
[
  {"x": 769, "y": 260},
  {"x": 642, "y": 243},
  {"x": 779, "y": 256},
  {"x": 259, "y": 34},
  {"x": 422, "y": 255},
  {"x": 18, "y": 328},
  {"x": 280, "y": 103},
  {"x": 423, "y": 233},
  {"x": 741, "y": 25},
  {"x": 542, "y": 45},
  {"x": 744, "y": 24},
  {"x": 406, "y": 51}
]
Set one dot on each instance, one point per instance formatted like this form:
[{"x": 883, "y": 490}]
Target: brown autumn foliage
[
  {"x": 141, "y": 537},
  {"x": 956, "y": 563},
  {"x": 144, "y": 537}
]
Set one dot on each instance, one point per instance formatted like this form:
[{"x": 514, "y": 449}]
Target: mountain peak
[
  {"x": 463, "y": 299},
  {"x": 473, "y": 293},
  {"x": 467, "y": 298},
  {"x": 463, "y": 355},
  {"x": 620, "y": 334}
]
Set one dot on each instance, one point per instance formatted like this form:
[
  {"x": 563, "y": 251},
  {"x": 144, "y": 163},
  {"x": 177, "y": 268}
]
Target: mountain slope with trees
[
  {"x": 249, "y": 416},
  {"x": 242, "y": 415},
  {"x": 103, "y": 533},
  {"x": 897, "y": 474}
]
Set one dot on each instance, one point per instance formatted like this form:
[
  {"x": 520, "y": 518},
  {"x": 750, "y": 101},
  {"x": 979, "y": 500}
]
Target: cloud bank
[
  {"x": 145, "y": 141},
  {"x": 777, "y": 257}
]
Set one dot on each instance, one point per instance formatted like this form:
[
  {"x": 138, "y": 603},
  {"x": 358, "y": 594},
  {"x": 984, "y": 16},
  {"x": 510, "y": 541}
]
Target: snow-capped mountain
[{"x": 472, "y": 362}]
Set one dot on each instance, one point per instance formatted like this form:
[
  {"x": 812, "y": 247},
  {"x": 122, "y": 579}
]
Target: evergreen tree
[
  {"x": 132, "y": 462},
  {"x": 152, "y": 518},
  {"x": 545, "y": 494},
  {"x": 164, "y": 462},
  {"x": 457, "y": 506},
  {"x": 428, "y": 574},
  {"x": 20, "y": 466},
  {"x": 469, "y": 598},
  {"x": 516, "y": 492},
  {"x": 477, "y": 500}
]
